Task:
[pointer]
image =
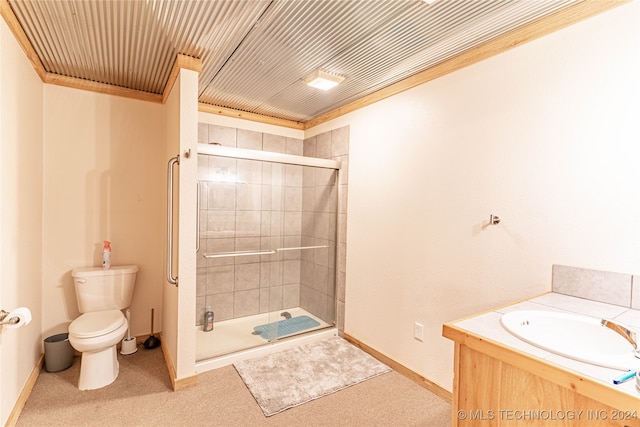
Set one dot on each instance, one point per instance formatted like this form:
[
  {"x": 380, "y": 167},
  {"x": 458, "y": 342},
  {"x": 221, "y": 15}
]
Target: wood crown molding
[
  {"x": 182, "y": 61},
  {"x": 529, "y": 32},
  {"x": 239, "y": 114},
  {"x": 104, "y": 88},
  {"x": 15, "y": 27}
]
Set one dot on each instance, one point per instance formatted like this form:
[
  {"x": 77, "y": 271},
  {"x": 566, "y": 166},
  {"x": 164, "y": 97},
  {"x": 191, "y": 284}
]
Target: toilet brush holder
[{"x": 129, "y": 346}]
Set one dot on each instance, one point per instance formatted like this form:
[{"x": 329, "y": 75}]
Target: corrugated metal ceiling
[{"x": 256, "y": 53}]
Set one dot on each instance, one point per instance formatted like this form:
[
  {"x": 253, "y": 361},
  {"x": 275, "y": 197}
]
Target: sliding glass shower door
[{"x": 266, "y": 253}]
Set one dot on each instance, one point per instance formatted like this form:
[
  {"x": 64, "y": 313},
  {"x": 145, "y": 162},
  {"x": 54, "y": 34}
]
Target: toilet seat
[{"x": 97, "y": 323}]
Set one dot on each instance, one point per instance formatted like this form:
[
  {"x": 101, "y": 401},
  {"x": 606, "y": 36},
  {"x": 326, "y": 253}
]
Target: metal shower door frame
[{"x": 290, "y": 159}]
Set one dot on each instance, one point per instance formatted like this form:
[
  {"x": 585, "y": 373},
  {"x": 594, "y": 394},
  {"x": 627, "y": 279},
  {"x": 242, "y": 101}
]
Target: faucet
[{"x": 626, "y": 333}]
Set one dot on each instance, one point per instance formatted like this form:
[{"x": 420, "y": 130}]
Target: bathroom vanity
[{"x": 500, "y": 380}]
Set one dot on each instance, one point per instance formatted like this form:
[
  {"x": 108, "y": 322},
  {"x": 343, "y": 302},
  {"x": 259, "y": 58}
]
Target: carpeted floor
[{"x": 142, "y": 396}]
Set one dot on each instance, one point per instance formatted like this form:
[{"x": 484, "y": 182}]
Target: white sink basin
[{"x": 574, "y": 336}]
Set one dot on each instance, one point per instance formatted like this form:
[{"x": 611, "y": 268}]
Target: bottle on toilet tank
[{"x": 106, "y": 255}]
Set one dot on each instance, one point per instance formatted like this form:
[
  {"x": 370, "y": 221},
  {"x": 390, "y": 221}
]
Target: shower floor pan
[{"x": 232, "y": 340}]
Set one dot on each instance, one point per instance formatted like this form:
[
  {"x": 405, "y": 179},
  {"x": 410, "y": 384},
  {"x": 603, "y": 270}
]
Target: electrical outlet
[{"x": 418, "y": 331}]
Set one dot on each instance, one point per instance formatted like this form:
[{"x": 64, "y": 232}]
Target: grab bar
[
  {"x": 170, "y": 277},
  {"x": 263, "y": 252}
]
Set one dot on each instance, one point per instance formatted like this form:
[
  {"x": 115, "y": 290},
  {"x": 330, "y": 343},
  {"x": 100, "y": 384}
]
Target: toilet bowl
[
  {"x": 101, "y": 295},
  {"x": 96, "y": 335}
]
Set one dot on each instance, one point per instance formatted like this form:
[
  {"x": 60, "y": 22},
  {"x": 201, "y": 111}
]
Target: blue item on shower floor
[{"x": 284, "y": 327}]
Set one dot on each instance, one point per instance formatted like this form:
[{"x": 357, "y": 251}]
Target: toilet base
[{"x": 98, "y": 368}]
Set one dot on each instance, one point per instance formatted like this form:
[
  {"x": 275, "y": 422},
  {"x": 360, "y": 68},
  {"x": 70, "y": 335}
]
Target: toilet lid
[{"x": 96, "y": 323}]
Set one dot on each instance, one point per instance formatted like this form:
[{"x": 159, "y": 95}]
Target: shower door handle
[
  {"x": 170, "y": 277},
  {"x": 260, "y": 252},
  {"x": 238, "y": 254}
]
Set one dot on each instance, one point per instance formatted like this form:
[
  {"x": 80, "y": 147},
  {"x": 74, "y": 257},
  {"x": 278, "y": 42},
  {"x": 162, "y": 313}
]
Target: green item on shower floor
[{"x": 284, "y": 327}]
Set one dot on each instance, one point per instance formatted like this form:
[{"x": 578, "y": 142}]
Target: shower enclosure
[{"x": 266, "y": 247}]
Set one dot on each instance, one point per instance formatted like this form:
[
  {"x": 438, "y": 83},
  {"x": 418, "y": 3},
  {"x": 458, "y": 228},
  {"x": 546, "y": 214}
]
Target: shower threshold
[{"x": 232, "y": 340}]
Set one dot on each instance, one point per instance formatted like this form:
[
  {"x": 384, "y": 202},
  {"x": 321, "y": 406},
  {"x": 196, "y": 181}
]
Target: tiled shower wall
[
  {"x": 270, "y": 206},
  {"x": 334, "y": 145}
]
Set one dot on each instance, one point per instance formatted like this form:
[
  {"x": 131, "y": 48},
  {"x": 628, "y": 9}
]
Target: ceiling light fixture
[
  {"x": 323, "y": 80},
  {"x": 429, "y": 1}
]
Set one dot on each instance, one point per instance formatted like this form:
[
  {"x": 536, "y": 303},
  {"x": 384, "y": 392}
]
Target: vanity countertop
[{"x": 486, "y": 326}]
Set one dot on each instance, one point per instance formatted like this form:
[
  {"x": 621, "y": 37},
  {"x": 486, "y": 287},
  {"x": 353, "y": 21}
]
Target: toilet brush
[{"x": 129, "y": 345}]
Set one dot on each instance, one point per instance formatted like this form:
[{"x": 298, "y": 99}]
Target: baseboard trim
[
  {"x": 177, "y": 384},
  {"x": 182, "y": 383},
  {"x": 413, "y": 376},
  {"x": 26, "y": 392}
]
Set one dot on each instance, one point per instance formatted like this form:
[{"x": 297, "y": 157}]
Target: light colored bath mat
[
  {"x": 289, "y": 378},
  {"x": 284, "y": 327}
]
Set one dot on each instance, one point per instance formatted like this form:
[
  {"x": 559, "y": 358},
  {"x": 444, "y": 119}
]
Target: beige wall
[
  {"x": 545, "y": 136},
  {"x": 187, "y": 222},
  {"x": 20, "y": 216},
  {"x": 104, "y": 179},
  {"x": 181, "y": 135}
]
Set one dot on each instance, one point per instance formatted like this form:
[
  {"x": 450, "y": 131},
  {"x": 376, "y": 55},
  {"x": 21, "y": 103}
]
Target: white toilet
[{"x": 100, "y": 294}]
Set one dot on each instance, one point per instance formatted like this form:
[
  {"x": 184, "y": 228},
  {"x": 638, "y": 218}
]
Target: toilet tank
[{"x": 99, "y": 289}]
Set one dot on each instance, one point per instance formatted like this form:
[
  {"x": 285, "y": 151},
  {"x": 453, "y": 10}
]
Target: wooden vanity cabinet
[{"x": 496, "y": 386}]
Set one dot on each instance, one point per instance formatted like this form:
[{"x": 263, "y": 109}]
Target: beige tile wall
[{"x": 334, "y": 145}]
